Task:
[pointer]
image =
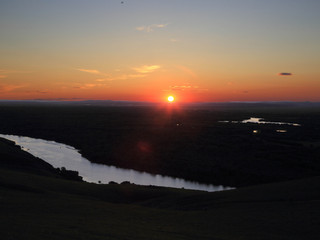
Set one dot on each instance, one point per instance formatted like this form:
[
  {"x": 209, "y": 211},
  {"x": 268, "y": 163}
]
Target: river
[{"x": 61, "y": 155}]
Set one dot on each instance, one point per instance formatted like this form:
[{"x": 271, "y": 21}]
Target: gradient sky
[{"x": 144, "y": 50}]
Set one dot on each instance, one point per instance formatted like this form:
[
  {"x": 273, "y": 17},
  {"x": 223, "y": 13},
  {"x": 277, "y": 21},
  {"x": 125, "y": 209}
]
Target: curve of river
[{"x": 61, "y": 155}]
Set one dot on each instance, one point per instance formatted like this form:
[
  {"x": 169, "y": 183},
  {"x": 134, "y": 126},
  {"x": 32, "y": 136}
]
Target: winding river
[{"x": 61, "y": 155}]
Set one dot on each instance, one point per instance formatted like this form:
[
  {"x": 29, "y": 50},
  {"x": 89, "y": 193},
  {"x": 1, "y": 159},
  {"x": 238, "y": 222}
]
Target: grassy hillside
[
  {"x": 47, "y": 206},
  {"x": 13, "y": 158}
]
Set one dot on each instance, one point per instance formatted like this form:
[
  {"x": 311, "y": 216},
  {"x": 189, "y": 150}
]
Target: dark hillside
[
  {"x": 12, "y": 157},
  {"x": 45, "y": 206}
]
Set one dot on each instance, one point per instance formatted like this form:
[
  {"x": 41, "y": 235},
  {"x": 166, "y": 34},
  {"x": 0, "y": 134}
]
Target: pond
[{"x": 61, "y": 155}]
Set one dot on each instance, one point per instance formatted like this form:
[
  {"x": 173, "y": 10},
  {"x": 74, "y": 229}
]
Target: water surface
[
  {"x": 61, "y": 155},
  {"x": 259, "y": 121}
]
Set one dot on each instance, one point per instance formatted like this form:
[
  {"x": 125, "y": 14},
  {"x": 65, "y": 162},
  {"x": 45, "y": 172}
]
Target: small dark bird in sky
[{"x": 122, "y": 2}]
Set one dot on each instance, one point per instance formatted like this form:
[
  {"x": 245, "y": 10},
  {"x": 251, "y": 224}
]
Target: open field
[
  {"x": 183, "y": 141},
  {"x": 43, "y": 205}
]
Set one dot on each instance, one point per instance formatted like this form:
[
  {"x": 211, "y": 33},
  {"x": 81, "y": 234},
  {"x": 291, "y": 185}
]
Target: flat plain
[{"x": 191, "y": 142}]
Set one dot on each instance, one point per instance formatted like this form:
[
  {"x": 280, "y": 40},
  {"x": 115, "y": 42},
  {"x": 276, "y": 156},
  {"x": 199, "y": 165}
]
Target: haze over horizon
[{"x": 145, "y": 50}]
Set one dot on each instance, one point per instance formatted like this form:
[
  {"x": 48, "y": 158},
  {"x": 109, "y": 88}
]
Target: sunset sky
[{"x": 145, "y": 50}]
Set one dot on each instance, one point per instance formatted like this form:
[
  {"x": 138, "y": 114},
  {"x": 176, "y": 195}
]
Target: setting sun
[
  {"x": 170, "y": 98},
  {"x": 149, "y": 57}
]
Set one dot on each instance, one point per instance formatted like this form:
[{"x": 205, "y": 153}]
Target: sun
[{"x": 170, "y": 99}]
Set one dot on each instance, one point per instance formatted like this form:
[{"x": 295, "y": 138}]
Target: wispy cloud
[
  {"x": 180, "y": 88},
  {"x": 285, "y": 74},
  {"x": 121, "y": 77},
  {"x": 129, "y": 76},
  {"x": 58, "y": 99},
  {"x": 8, "y": 71},
  {"x": 9, "y": 87},
  {"x": 174, "y": 40},
  {"x": 187, "y": 88},
  {"x": 90, "y": 85},
  {"x": 42, "y": 92},
  {"x": 103, "y": 77},
  {"x": 4, "y": 73},
  {"x": 136, "y": 75},
  {"x": 151, "y": 28},
  {"x": 139, "y": 72},
  {"x": 146, "y": 68},
  {"x": 188, "y": 71},
  {"x": 45, "y": 91},
  {"x": 92, "y": 71}
]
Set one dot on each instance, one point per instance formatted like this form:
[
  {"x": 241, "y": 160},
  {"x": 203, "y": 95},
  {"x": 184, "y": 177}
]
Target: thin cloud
[
  {"x": 9, "y": 87},
  {"x": 38, "y": 91},
  {"x": 187, "y": 88},
  {"x": 121, "y": 77},
  {"x": 129, "y": 76},
  {"x": 150, "y": 28},
  {"x": 92, "y": 71},
  {"x": 90, "y": 85},
  {"x": 4, "y": 72},
  {"x": 174, "y": 40},
  {"x": 137, "y": 75},
  {"x": 7, "y": 71},
  {"x": 146, "y": 68},
  {"x": 141, "y": 28},
  {"x": 285, "y": 74},
  {"x": 103, "y": 76},
  {"x": 180, "y": 88},
  {"x": 104, "y": 79},
  {"x": 42, "y": 92},
  {"x": 57, "y": 99},
  {"x": 188, "y": 71},
  {"x": 139, "y": 72}
]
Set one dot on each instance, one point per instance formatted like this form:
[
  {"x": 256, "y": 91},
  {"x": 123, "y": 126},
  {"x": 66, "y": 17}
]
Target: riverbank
[
  {"x": 66, "y": 157},
  {"x": 45, "y": 206}
]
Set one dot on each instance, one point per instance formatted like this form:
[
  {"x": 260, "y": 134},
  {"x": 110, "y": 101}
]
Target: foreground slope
[{"x": 47, "y": 206}]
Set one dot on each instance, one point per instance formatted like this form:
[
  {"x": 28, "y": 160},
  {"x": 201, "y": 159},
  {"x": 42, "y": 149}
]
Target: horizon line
[{"x": 62, "y": 100}]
